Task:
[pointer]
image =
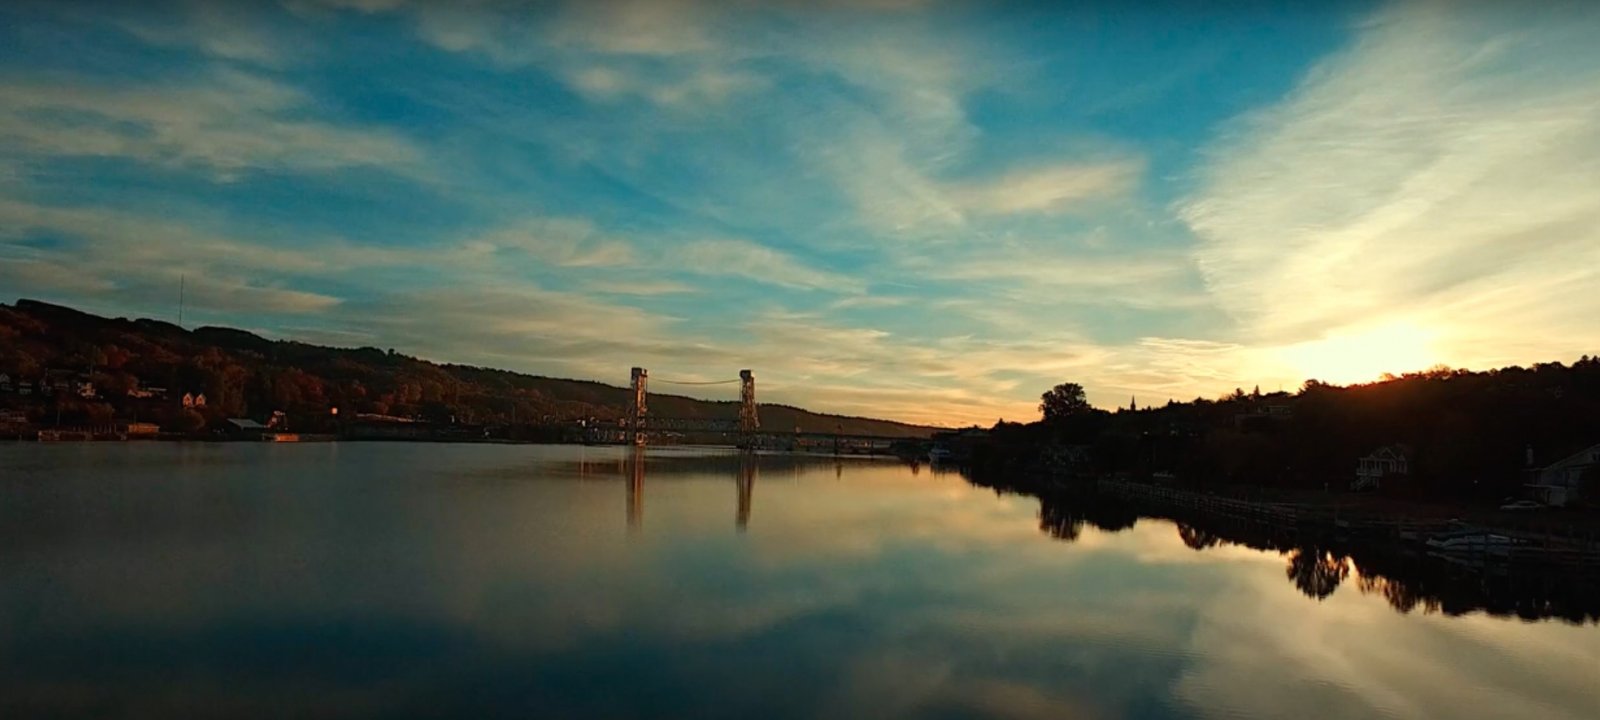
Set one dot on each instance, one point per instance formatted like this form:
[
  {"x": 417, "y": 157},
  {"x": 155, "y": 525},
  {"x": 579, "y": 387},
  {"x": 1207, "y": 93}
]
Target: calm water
[{"x": 174, "y": 580}]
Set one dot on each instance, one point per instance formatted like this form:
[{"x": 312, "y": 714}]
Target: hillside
[{"x": 245, "y": 375}]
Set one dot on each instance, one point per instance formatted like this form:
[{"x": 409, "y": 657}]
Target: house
[
  {"x": 194, "y": 400},
  {"x": 200, "y": 400},
  {"x": 5, "y": 382},
  {"x": 1388, "y": 461},
  {"x": 1562, "y": 482},
  {"x": 24, "y": 387},
  {"x": 85, "y": 390}
]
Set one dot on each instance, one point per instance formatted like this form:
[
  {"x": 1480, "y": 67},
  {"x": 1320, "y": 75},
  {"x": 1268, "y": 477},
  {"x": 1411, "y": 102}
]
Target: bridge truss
[{"x": 639, "y": 422}]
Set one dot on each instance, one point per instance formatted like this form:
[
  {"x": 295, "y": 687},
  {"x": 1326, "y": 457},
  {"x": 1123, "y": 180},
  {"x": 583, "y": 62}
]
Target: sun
[{"x": 1364, "y": 354}]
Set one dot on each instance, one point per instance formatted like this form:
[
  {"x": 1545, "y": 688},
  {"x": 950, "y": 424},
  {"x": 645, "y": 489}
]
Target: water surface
[{"x": 189, "y": 580}]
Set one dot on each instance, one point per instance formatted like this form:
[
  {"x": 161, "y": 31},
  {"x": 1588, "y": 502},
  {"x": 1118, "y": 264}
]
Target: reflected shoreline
[{"x": 1320, "y": 559}]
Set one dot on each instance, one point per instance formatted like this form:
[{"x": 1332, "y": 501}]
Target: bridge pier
[{"x": 637, "y": 406}]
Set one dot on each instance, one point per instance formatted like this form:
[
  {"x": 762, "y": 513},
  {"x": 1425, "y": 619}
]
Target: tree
[
  {"x": 189, "y": 421},
  {"x": 1063, "y": 401},
  {"x": 1317, "y": 572}
]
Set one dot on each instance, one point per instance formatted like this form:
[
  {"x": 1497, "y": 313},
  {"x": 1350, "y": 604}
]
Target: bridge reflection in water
[{"x": 745, "y": 473}]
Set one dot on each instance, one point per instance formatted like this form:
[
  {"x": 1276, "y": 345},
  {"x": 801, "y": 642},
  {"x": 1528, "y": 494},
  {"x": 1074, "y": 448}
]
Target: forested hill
[{"x": 245, "y": 375}]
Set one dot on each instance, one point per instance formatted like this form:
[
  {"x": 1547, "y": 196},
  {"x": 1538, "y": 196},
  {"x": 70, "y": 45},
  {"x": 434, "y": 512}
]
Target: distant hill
[{"x": 246, "y": 375}]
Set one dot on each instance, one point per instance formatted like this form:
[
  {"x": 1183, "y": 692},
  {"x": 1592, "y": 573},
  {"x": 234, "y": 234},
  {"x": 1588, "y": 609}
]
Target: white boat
[{"x": 1473, "y": 542}]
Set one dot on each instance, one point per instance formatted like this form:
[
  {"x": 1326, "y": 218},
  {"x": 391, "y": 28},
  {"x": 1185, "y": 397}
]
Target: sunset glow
[
  {"x": 918, "y": 210},
  {"x": 1364, "y": 355}
]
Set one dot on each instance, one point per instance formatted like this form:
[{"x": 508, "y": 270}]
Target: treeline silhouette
[
  {"x": 1470, "y": 436},
  {"x": 245, "y": 375}
]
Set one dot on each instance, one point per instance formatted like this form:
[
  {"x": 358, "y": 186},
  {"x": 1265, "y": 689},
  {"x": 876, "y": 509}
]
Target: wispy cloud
[
  {"x": 227, "y": 30},
  {"x": 225, "y": 122},
  {"x": 564, "y": 242},
  {"x": 1434, "y": 173},
  {"x": 641, "y": 287},
  {"x": 690, "y": 89},
  {"x": 1048, "y": 190},
  {"x": 742, "y": 258}
]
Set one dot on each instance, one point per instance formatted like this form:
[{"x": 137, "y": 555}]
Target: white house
[
  {"x": 1387, "y": 461},
  {"x": 1561, "y": 482},
  {"x": 5, "y": 382}
]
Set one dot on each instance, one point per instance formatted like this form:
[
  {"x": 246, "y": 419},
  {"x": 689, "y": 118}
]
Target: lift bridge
[{"x": 637, "y": 425}]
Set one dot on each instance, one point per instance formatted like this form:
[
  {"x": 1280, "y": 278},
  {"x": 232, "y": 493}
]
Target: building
[
  {"x": 1562, "y": 482},
  {"x": 244, "y": 428},
  {"x": 86, "y": 390},
  {"x": 5, "y": 382},
  {"x": 147, "y": 392},
  {"x": 194, "y": 400},
  {"x": 1389, "y": 461},
  {"x": 139, "y": 429}
]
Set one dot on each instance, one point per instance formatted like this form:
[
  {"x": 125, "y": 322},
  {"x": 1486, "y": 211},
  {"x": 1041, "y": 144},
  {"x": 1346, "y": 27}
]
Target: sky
[{"x": 928, "y": 211}]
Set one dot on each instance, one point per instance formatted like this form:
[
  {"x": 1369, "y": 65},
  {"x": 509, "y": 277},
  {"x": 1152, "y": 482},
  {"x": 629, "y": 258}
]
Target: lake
[{"x": 452, "y": 581}]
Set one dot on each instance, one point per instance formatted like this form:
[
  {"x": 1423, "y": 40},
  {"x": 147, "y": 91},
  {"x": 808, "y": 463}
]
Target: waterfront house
[
  {"x": 1561, "y": 482},
  {"x": 1389, "y": 461},
  {"x": 24, "y": 387},
  {"x": 194, "y": 400},
  {"x": 5, "y": 382}
]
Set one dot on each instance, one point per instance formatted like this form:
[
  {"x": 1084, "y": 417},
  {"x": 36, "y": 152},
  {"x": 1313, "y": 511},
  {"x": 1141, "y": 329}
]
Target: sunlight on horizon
[{"x": 1364, "y": 355}]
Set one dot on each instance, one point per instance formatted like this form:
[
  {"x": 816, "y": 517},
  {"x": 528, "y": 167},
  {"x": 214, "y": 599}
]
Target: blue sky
[{"x": 923, "y": 210}]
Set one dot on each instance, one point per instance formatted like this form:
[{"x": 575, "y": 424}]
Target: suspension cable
[{"x": 692, "y": 382}]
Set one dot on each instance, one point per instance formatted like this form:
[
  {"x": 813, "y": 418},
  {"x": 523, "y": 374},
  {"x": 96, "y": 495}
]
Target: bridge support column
[
  {"x": 637, "y": 407},
  {"x": 749, "y": 423}
]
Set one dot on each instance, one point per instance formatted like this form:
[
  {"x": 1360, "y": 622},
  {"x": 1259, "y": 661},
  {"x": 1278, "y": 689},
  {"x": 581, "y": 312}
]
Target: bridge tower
[
  {"x": 748, "y": 422},
  {"x": 747, "y": 482},
  {"x": 637, "y": 406}
]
